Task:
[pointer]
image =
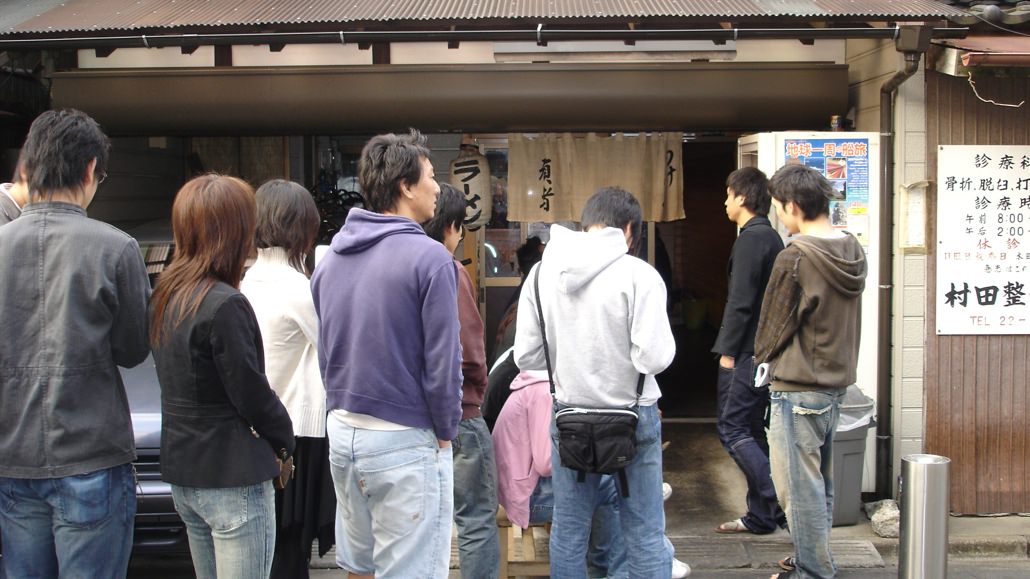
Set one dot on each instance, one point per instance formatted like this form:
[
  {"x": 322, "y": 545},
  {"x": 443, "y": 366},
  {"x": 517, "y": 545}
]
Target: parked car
[{"x": 159, "y": 530}]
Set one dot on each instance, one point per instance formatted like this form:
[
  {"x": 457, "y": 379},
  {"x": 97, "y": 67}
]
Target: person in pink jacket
[{"x": 522, "y": 449}]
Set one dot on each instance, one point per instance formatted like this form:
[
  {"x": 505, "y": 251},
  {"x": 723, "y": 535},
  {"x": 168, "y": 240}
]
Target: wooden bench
[{"x": 526, "y": 561}]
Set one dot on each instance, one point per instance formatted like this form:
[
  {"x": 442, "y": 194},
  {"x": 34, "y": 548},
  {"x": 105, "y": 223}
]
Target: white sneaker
[
  {"x": 666, "y": 491},
  {"x": 679, "y": 569}
]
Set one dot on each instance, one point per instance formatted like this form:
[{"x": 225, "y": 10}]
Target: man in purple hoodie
[{"x": 386, "y": 297}]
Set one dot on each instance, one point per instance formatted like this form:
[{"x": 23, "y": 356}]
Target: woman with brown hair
[
  {"x": 224, "y": 434},
  {"x": 278, "y": 289}
]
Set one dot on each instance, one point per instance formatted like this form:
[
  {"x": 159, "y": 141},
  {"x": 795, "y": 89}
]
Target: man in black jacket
[{"x": 741, "y": 406}]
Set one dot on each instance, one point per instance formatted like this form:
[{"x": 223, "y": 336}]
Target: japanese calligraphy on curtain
[{"x": 551, "y": 176}]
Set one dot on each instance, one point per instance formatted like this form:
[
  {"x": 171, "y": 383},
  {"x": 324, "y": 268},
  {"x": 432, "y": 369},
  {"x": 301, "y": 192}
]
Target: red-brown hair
[{"x": 213, "y": 221}]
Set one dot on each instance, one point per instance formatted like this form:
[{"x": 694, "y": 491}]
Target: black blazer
[
  {"x": 751, "y": 262},
  {"x": 221, "y": 425}
]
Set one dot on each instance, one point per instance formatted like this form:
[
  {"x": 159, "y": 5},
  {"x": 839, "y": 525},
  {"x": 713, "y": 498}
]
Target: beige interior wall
[{"x": 871, "y": 64}]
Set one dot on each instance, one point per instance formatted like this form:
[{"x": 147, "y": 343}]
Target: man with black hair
[
  {"x": 386, "y": 297},
  {"x": 73, "y": 307},
  {"x": 741, "y": 406},
  {"x": 808, "y": 336},
  {"x": 475, "y": 475},
  {"x": 527, "y": 255},
  {"x": 607, "y": 325}
]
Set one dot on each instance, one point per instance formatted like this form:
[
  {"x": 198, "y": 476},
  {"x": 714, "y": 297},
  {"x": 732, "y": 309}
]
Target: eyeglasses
[{"x": 100, "y": 177}]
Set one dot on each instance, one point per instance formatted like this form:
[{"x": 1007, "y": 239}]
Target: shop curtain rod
[{"x": 540, "y": 35}]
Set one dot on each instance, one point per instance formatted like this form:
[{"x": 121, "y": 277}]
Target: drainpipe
[{"x": 913, "y": 41}]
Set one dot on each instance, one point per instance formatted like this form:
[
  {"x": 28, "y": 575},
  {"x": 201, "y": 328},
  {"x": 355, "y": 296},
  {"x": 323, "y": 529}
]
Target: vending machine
[{"x": 851, "y": 162}]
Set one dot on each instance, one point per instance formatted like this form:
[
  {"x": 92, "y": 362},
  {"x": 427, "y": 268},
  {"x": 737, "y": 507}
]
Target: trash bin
[{"x": 856, "y": 415}]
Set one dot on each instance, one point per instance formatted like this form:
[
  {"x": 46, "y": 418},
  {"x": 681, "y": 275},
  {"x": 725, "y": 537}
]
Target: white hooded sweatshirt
[{"x": 605, "y": 316}]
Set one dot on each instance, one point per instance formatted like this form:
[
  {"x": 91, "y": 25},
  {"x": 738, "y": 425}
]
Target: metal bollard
[{"x": 923, "y": 486}]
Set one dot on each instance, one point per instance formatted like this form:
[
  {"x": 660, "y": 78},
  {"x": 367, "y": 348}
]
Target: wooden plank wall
[
  {"x": 977, "y": 412},
  {"x": 143, "y": 176}
]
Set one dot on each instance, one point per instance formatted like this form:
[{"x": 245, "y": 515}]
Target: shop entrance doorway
[{"x": 698, "y": 249}]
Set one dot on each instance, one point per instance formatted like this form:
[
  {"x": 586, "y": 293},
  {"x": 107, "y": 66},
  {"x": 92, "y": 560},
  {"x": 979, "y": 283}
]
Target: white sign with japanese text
[{"x": 983, "y": 251}]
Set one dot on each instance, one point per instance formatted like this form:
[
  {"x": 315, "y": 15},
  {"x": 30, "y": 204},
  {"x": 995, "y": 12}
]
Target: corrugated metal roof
[{"x": 96, "y": 15}]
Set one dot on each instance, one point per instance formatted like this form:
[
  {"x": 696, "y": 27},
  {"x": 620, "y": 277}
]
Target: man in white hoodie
[{"x": 606, "y": 325}]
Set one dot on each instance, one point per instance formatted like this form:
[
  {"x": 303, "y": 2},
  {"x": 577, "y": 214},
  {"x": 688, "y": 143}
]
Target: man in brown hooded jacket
[{"x": 809, "y": 336}]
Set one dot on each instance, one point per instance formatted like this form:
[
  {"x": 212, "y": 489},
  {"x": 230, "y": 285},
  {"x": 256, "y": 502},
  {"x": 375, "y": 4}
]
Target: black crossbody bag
[{"x": 592, "y": 440}]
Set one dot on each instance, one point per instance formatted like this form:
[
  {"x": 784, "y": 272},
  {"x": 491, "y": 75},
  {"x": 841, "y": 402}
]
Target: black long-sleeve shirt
[{"x": 751, "y": 262}]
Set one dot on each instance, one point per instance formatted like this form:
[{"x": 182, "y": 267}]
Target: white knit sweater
[{"x": 281, "y": 297}]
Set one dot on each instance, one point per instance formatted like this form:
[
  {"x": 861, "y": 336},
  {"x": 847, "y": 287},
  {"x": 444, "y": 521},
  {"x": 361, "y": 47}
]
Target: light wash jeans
[
  {"x": 79, "y": 524},
  {"x": 801, "y": 432},
  {"x": 395, "y": 495},
  {"x": 641, "y": 514},
  {"x": 231, "y": 530},
  {"x": 475, "y": 500}
]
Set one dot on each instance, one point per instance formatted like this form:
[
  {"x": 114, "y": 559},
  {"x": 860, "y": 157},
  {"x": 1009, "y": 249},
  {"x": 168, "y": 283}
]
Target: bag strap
[
  {"x": 543, "y": 328},
  {"x": 547, "y": 350}
]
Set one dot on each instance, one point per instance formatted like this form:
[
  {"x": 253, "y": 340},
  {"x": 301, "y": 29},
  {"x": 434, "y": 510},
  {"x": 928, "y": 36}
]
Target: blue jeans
[
  {"x": 395, "y": 490},
  {"x": 741, "y": 425},
  {"x": 231, "y": 530},
  {"x": 475, "y": 500},
  {"x": 606, "y": 556},
  {"x": 801, "y": 452},
  {"x": 641, "y": 514},
  {"x": 80, "y": 525}
]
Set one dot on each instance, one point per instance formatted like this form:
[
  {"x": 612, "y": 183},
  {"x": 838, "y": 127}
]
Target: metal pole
[{"x": 923, "y": 552}]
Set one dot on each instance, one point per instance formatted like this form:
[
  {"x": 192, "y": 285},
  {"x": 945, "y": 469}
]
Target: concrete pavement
[{"x": 708, "y": 489}]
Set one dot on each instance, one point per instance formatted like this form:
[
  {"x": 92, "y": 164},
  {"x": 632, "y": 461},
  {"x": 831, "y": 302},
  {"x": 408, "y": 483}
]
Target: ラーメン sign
[
  {"x": 470, "y": 173},
  {"x": 983, "y": 251}
]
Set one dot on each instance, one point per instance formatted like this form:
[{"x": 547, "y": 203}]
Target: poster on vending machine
[{"x": 845, "y": 163}]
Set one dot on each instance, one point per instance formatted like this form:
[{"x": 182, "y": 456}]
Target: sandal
[
  {"x": 787, "y": 563},
  {"x": 731, "y": 527}
]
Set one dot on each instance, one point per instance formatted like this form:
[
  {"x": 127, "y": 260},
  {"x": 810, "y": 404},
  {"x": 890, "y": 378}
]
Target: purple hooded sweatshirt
[{"x": 386, "y": 297}]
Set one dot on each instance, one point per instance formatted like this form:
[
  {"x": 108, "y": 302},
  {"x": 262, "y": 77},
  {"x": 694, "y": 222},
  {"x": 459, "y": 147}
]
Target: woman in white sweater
[{"x": 277, "y": 287}]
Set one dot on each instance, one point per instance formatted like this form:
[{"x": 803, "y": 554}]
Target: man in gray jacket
[{"x": 73, "y": 308}]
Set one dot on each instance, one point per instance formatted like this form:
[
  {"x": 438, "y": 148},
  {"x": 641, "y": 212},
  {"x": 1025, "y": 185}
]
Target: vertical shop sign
[
  {"x": 983, "y": 215},
  {"x": 845, "y": 163},
  {"x": 470, "y": 173}
]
